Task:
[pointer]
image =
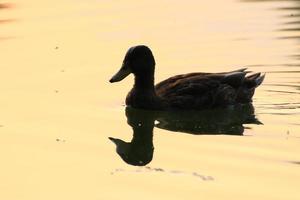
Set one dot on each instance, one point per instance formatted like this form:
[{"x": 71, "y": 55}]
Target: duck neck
[
  {"x": 143, "y": 135},
  {"x": 144, "y": 83}
]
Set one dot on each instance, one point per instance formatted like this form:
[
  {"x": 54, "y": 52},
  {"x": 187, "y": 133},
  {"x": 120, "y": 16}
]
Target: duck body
[{"x": 192, "y": 91}]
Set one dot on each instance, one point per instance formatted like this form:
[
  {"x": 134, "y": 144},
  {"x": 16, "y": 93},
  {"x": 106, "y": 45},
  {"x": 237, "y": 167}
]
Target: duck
[{"x": 191, "y": 91}]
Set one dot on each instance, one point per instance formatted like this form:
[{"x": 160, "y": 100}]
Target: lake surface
[{"x": 60, "y": 118}]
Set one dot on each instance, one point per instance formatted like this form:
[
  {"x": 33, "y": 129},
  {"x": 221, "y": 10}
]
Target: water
[{"x": 61, "y": 119}]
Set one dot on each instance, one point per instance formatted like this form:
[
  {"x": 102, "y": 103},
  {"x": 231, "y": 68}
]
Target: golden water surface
[{"x": 58, "y": 110}]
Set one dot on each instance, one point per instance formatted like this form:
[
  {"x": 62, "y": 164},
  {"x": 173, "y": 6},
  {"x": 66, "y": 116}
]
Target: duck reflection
[{"x": 140, "y": 150}]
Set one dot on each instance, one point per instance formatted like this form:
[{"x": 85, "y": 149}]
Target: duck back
[{"x": 208, "y": 90}]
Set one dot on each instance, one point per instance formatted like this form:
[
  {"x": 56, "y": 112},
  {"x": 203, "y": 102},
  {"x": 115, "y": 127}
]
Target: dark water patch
[
  {"x": 4, "y": 21},
  {"x": 282, "y": 72},
  {"x": 281, "y": 107},
  {"x": 296, "y": 56},
  {"x": 267, "y": 0},
  {"x": 293, "y": 8},
  {"x": 6, "y": 38},
  {"x": 60, "y": 140},
  {"x": 241, "y": 39},
  {"x": 148, "y": 169},
  {"x": 283, "y": 85},
  {"x": 291, "y": 16},
  {"x": 296, "y": 37},
  {"x": 282, "y": 104},
  {"x": 292, "y": 23},
  {"x": 290, "y": 29},
  {"x": 278, "y": 113},
  {"x": 296, "y": 124},
  {"x": 274, "y": 65},
  {"x": 6, "y": 5},
  {"x": 280, "y": 91},
  {"x": 295, "y": 162},
  {"x": 284, "y": 108}
]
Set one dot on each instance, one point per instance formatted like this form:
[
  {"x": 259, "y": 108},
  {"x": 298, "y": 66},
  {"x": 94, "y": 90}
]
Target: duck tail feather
[
  {"x": 259, "y": 79},
  {"x": 253, "y": 76},
  {"x": 240, "y": 70},
  {"x": 234, "y": 79}
]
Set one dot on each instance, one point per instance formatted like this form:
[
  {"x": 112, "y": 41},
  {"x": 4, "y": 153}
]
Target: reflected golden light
[{"x": 54, "y": 85}]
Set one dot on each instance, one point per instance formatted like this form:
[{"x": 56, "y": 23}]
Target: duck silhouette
[{"x": 193, "y": 91}]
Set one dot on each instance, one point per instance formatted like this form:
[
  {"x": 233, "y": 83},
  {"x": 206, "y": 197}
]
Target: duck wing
[
  {"x": 196, "y": 74},
  {"x": 206, "y": 90},
  {"x": 192, "y": 91}
]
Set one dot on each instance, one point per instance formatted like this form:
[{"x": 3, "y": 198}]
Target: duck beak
[
  {"x": 115, "y": 140},
  {"x": 121, "y": 74}
]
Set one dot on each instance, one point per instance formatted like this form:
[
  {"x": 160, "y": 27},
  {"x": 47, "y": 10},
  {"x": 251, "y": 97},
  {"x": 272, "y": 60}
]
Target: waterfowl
[{"x": 186, "y": 91}]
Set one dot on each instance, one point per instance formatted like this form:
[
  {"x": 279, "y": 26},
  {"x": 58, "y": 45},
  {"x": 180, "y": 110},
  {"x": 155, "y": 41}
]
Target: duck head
[
  {"x": 138, "y": 60},
  {"x": 134, "y": 153}
]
